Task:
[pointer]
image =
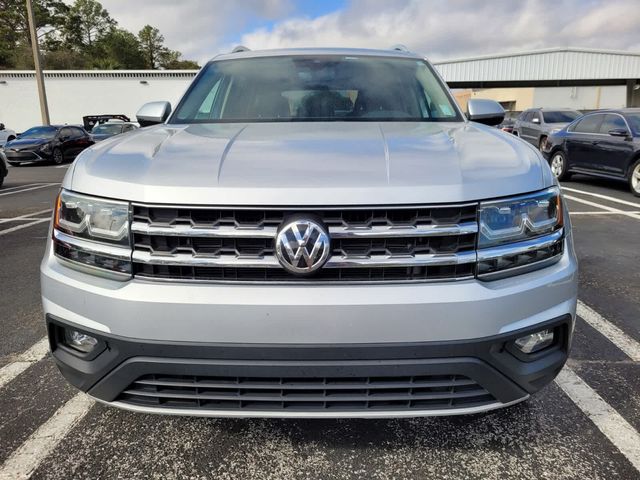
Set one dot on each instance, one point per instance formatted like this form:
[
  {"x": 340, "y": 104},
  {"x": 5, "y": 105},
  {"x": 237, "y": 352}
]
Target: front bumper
[
  {"x": 14, "y": 157},
  {"x": 374, "y": 380},
  {"x": 161, "y": 336}
]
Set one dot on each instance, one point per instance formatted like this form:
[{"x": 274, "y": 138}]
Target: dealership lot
[{"x": 585, "y": 425}]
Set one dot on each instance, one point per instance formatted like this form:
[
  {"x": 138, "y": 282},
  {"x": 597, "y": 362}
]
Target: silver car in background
[
  {"x": 536, "y": 124},
  {"x": 311, "y": 233}
]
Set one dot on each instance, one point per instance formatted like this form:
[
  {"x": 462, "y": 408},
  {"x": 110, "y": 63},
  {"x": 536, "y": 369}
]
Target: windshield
[
  {"x": 564, "y": 116},
  {"x": 39, "y": 132},
  {"x": 316, "y": 88},
  {"x": 105, "y": 129}
]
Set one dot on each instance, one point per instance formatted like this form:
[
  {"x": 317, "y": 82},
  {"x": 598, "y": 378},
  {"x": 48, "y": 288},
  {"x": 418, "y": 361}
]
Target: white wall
[
  {"x": 72, "y": 98},
  {"x": 581, "y": 98}
]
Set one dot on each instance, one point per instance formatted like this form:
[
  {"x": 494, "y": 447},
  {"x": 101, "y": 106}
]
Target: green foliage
[{"x": 80, "y": 36}]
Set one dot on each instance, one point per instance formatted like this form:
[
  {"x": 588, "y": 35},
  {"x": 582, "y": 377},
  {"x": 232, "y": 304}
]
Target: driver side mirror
[
  {"x": 619, "y": 132},
  {"x": 153, "y": 113},
  {"x": 483, "y": 110}
]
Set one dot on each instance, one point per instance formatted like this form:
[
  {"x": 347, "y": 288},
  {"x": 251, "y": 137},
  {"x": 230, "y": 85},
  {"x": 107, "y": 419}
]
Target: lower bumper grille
[
  {"x": 434, "y": 392},
  {"x": 21, "y": 156}
]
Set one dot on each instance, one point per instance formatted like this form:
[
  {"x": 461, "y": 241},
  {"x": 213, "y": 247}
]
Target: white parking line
[
  {"x": 24, "y": 461},
  {"x": 604, "y": 213},
  {"x": 36, "y": 353},
  {"x": 603, "y": 207},
  {"x": 22, "y": 186},
  {"x": 28, "y": 189},
  {"x": 26, "y": 225},
  {"x": 28, "y": 216},
  {"x": 609, "y": 421},
  {"x": 620, "y": 339},
  {"x": 604, "y": 197}
]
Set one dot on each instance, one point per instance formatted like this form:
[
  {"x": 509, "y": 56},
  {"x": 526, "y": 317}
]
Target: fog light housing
[
  {"x": 535, "y": 342},
  {"x": 79, "y": 341}
]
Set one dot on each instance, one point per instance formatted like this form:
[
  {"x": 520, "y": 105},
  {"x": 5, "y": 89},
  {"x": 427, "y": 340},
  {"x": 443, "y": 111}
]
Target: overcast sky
[{"x": 439, "y": 29}]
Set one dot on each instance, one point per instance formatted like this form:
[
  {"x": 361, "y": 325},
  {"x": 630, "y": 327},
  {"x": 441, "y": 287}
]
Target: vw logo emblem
[{"x": 302, "y": 246}]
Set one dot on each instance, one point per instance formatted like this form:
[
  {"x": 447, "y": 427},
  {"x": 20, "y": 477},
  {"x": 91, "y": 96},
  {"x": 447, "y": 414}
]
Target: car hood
[
  {"x": 310, "y": 163},
  {"x": 26, "y": 143}
]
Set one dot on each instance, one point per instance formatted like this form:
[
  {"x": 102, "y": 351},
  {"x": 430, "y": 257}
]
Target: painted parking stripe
[
  {"x": 26, "y": 225},
  {"x": 604, "y": 197},
  {"x": 24, "y": 461},
  {"x": 606, "y": 418},
  {"x": 603, "y": 207},
  {"x": 22, "y": 186},
  {"x": 604, "y": 213},
  {"x": 27, "y": 216},
  {"x": 46, "y": 185},
  {"x": 616, "y": 336},
  {"x": 36, "y": 353}
]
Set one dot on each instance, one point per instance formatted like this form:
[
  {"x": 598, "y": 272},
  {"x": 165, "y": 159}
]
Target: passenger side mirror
[
  {"x": 619, "y": 132},
  {"x": 535, "y": 120},
  {"x": 153, "y": 113},
  {"x": 483, "y": 110}
]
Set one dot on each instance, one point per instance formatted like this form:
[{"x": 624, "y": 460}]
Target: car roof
[{"x": 316, "y": 51}]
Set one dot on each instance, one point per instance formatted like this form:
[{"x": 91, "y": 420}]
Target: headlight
[
  {"x": 525, "y": 231},
  {"x": 92, "y": 232}
]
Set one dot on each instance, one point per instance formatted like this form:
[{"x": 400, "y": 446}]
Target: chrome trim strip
[
  {"x": 214, "y": 232},
  {"x": 306, "y": 208},
  {"x": 302, "y": 281},
  {"x": 188, "y": 260},
  {"x": 519, "y": 270},
  {"x": 405, "y": 261},
  {"x": 112, "y": 251},
  {"x": 485, "y": 254},
  {"x": 417, "y": 231},
  {"x": 334, "y": 231},
  {"x": 302, "y": 414},
  {"x": 185, "y": 259}
]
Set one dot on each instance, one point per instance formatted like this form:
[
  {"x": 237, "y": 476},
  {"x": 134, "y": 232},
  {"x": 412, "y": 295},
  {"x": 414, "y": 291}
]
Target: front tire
[
  {"x": 634, "y": 179},
  {"x": 559, "y": 166},
  {"x": 58, "y": 156}
]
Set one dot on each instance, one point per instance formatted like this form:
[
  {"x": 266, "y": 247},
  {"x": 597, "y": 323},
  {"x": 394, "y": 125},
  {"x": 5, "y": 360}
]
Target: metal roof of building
[{"x": 554, "y": 64}]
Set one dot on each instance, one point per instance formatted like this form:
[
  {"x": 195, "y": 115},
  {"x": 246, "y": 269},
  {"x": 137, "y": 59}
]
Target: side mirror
[
  {"x": 535, "y": 120},
  {"x": 619, "y": 132},
  {"x": 482, "y": 110},
  {"x": 153, "y": 113},
  {"x": 1, "y": 126}
]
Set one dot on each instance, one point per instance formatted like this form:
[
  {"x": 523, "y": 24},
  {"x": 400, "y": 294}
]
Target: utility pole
[{"x": 42, "y": 93}]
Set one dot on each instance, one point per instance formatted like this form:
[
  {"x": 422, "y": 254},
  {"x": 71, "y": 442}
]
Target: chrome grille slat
[
  {"x": 183, "y": 259},
  {"x": 335, "y": 231}
]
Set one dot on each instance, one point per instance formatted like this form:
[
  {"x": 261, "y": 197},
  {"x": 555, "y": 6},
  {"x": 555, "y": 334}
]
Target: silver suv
[{"x": 311, "y": 233}]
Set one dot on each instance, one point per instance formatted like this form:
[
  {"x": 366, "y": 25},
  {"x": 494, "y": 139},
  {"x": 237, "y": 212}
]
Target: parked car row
[
  {"x": 57, "y": 143},
  {"x": 602, "y": 144}
]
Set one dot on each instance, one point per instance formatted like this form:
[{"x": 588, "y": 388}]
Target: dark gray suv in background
[{"x": 536, "y": 124}]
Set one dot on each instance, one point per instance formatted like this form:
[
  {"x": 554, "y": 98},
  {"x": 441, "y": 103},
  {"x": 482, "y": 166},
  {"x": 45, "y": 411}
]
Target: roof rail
[
  {"x": 400, "y": 48},
  {"x": 240, "y": 48}
]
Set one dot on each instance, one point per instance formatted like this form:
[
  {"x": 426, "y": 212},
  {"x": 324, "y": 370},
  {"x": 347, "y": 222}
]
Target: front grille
[
  {"x": 414, "y": 244},
  {"x": 430, "y": 392},
  {"x": 14, "y": 156}
]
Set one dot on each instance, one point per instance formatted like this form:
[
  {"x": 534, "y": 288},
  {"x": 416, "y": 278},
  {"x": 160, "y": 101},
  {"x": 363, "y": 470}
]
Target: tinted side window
[
  {"x": 612, "y": 122},
  {"x": 589, "y": 124},
  {"x": 65, "y": 132},
  {"x": 77, "y": 133},
  {"x": 536, "y": 115}
]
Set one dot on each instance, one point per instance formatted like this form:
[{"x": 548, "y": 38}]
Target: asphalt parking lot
[{"x": 583, "y": 426}]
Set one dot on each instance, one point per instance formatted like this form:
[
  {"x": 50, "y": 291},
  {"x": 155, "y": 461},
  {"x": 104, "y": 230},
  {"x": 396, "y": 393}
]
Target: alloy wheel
[{"x": 557, "y": 165}]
